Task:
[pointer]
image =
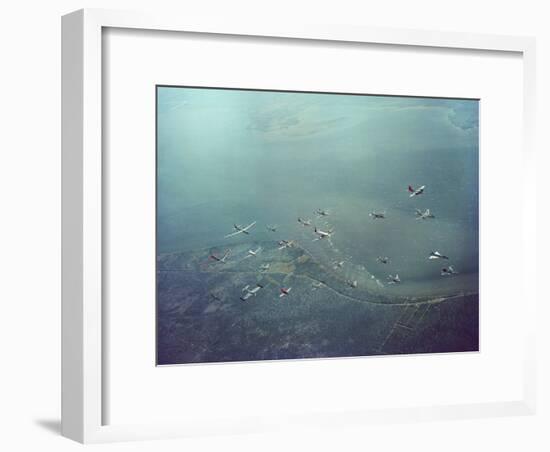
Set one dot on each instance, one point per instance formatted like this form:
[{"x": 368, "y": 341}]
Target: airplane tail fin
[{"x": 411, "y": 190}]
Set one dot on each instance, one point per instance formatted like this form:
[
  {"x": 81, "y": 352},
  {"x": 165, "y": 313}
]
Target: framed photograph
[
  {"x": 316, "y": 210},
  {"x": 295, "y": 280}
]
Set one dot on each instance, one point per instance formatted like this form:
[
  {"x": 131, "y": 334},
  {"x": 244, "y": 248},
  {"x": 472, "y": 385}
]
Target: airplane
[
  {"x": 215, "y": 297},
  {"x": 250, "y": 292},
  {"x": 437, "y": 255},
  {"x": 318, "y": 285},
  {"x": 323, "y": 234},
  {"x": 415, "y": 192},
  {"x": 265, "y": 267},
  {"x": 240, "y": 229},
  {"x": 377, "y": 215},
  {"x": 284, "y": 292},
  {"x": 271, "y": 228},
  {"x": 254, "y": 253},
  {"x": 304, "y": 222},
  {"x": 352, "y": 283},
  {"x": 322, "y": 213},
  {"x": 394, "y": 279},
  {"x": 424, "y": 215},
  {"x": 222, "y": 259},
  {"x": 448, "y": 271},
  {"x": 285, "y": 244},
  {"x": 338, "y": 264},
  {"x": 383, "y": 259}
]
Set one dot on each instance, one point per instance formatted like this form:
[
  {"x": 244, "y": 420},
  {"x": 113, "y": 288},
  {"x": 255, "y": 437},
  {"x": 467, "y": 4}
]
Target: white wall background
[{"x": 30, "y": 226}]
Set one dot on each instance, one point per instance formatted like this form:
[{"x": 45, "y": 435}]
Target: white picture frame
[{"x": 83, "y": 347}]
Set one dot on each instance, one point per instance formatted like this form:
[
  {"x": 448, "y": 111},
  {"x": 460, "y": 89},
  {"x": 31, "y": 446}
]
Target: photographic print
[{"x": 295, "y": 225}]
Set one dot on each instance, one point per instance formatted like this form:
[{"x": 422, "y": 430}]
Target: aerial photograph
[{"x": 296, "y": 225}]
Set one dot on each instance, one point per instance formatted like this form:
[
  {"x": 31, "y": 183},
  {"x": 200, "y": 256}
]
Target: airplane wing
[
  {"x": 233, "y": 233},
  {"x": 248, "y": 227}
]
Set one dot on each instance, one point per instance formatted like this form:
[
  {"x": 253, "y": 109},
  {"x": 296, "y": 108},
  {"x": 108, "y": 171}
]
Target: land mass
[{"x": 202, "y": 317}]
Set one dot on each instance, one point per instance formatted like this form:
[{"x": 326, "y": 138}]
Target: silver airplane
[
  {"x": 383, "y": 259},
  {"x": 253, "y": 253},
  {"x": 416, "y": 191},
  {"x": 318, "y": 285},
  {"x": 250, "y": 292},
  {"x": 394, "y": 279},
  {"x": 304, "y": 222},
  {"x": 448, "y": 271},
  {"x": 323, "y": 234},
  {"x": 240, "y": 229},
  {"x": 264, "y": 267},
  {"x": 285, "y": 244},
  {"x": 284, "y": 292},
  {"x": 271, "y": 228},
  {"x": 377, "y": 215},
  {"x": 338, "y": 264},
  {"x": 437, "y": 255},
  {"x": 222, "y": 259},
  {"x": 424, "y": 215},
  {"x": 322, "y": 213}
]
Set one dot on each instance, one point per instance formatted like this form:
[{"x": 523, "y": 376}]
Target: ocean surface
[{"x": 231, "y": 156}]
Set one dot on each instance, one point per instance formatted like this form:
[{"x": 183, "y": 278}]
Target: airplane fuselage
[
  {"x": 377, "y": 215},
  {"x": 284, "y": 292},
  {"x": 323, "y": 234}
]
